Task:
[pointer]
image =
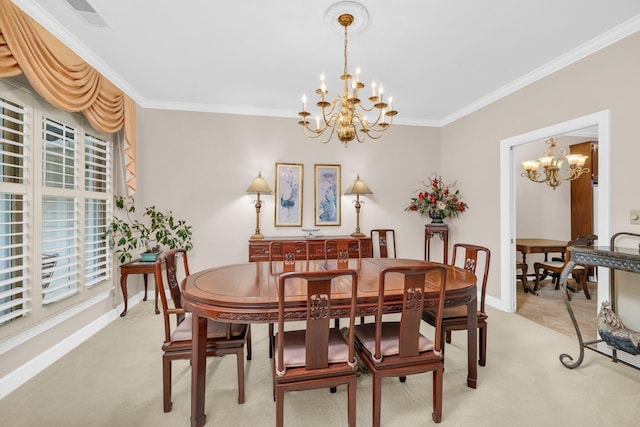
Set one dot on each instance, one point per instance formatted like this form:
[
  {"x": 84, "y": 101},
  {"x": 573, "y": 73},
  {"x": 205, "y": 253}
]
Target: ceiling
[{"x": 440, "y": 60}]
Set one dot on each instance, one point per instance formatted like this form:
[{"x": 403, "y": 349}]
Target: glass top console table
[{"x": 612, "y": 257}]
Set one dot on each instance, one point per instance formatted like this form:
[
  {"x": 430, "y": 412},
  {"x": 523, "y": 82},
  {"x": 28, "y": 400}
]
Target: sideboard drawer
[{"x": 259, "y": 249}]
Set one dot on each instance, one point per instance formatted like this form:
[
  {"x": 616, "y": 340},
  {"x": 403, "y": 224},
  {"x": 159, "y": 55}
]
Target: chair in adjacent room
[
  {"x": 397, "y": 348},
  {"x": 383, "y": 241},
  {"x": 222, "y": 338},
  {"x": 49, "y": 262},
  {"x": 455, "y": 318},
  {"x": 522, "y": 275},
  {"x": 555, "y": 267},
  {"x": 317, "y": 356}
]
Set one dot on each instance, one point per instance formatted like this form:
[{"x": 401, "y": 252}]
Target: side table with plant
[
  {"x": 156, "y": 228},
  {"x": 437, "y": 201}
]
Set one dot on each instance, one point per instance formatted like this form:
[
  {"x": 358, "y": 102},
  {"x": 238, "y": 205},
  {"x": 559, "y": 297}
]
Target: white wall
[
  {"x": 200, "y": 164},
  {"x": 606, "y": 80}
]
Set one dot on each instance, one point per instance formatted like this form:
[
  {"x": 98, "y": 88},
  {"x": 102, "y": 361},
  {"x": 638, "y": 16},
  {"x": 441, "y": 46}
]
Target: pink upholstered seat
[
  {"x": 317, "y": 356},
  {"x": 222, "y": 338},
  {"x": 397, "y": 349},
  {"x": 389, "y": 339}
]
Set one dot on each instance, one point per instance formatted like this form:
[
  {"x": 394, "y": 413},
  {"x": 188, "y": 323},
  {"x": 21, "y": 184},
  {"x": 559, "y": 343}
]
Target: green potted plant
[{"x": 157, "y": 228}]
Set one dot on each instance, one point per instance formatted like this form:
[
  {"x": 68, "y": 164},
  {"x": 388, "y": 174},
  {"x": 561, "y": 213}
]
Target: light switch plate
[{"x": 635, "y": 216}]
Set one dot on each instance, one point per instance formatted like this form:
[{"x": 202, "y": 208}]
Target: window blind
[
  {"x": 14, "y": 300},
  {"x": 59, "y": 154},
  {"x": 59, "y": 248},
  {"x": 12, "y": 124},
  {"x": 97, "y": 161},
  {"x": 95, "y": 242}
]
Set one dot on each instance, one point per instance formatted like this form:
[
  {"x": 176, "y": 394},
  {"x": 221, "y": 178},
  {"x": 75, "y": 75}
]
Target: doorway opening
[{"x": 508, "y": 175}]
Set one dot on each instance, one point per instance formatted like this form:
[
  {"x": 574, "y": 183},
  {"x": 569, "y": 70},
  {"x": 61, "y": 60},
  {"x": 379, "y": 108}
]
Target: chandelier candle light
[
  {"x": 552, "y": 163},
  {"x": 341, "y": 115}
]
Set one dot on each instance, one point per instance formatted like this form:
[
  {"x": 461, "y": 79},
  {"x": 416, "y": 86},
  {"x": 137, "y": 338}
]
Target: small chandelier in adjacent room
[
  {"x": 551, "y": 162},
  {"x": 345, "y": 114}
]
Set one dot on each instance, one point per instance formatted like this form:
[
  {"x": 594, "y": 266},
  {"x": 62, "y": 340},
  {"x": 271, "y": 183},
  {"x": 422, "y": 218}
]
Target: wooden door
[{"x": 582, "y": 191}]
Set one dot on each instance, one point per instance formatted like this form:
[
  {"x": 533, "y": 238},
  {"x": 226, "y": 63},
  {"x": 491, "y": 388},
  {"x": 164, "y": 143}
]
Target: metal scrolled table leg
[{"x": 564, "y": 276}]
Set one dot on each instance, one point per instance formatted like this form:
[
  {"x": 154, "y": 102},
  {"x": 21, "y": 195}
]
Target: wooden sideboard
[{"x": 259, "y": 249}]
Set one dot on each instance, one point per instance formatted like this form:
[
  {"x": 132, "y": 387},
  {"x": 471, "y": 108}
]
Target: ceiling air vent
[{"x": 88, "y": 13}]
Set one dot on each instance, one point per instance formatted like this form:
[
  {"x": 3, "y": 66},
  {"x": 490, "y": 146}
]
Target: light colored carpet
[{"x": 115, "y": 379}]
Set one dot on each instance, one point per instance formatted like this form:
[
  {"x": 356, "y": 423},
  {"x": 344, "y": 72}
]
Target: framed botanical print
[
  {"x": 327, "y": 194},
  {"x": 288, "y": 195}
]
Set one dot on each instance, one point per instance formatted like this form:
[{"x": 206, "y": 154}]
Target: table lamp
[
  {"x": 358, "y": 187},
  {"x": 258, "y": 186}
]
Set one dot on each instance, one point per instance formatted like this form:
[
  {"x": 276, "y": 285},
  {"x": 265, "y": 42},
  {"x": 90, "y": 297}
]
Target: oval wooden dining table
[{"x": 247, "y": 293}]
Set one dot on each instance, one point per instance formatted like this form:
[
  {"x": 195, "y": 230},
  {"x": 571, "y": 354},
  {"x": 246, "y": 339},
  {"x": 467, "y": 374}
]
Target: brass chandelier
[
  {"x": 344, "y": 115},
  {"x": 551, "y": 162}
]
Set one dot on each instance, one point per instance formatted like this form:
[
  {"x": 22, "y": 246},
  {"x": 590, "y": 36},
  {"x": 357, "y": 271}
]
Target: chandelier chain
[
  {"x": 345, "y": 53},
  {"x": 341, "y": 115}
]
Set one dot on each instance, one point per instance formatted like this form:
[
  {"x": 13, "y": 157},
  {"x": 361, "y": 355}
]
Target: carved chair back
[
  {"x": 473, "y": 256},
  {"x": 415, "y": 282},
  {"x": 287, "y": 252},
  {"x": 339, "y": 249},
  {"x": 168, "y": 261},
  {"x": 317, "y": 286},
  {"x": 384, "y": 242}
]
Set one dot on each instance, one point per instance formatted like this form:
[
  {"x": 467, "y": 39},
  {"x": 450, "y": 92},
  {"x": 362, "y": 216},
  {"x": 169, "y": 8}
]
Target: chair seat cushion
[
  {"x": 457, "y": 312},
  {"x": 389, "y": 338},
  {"x": 295, "y": 352},
  {"x": 214, "y": 329}
]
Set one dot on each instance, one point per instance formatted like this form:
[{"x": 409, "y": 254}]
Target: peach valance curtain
[{"x": 65, "y": 80}]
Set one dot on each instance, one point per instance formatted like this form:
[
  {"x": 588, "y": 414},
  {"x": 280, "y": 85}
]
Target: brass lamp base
[
  {"x": 257, "y": 236},
  {"x": 357, "y": 234}
]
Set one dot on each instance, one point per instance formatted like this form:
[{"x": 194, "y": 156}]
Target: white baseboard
[
  {"x": 495, "y": 303},
  {"x": 30, "y": 369}
]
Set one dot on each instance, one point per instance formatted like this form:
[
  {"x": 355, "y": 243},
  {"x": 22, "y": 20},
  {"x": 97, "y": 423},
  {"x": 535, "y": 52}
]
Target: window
[
  {"x": 55, "y": 188},
  {"x": 13, "y": 230},
  {"x": 97, "y": 181}
]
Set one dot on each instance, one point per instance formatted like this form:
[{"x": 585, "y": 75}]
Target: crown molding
[
  {"x": 608, "y": 38},
  {"x": 41, "y": 16}
]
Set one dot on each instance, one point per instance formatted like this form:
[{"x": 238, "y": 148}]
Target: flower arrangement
[{"x": 438, "y": 200}]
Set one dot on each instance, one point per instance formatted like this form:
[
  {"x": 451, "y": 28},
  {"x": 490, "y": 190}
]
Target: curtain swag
[{"x": 65, "y": 80}]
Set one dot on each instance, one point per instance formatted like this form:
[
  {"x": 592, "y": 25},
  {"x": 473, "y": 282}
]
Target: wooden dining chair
[
  {"x": 339, "y": 249},
  {"x": 384, "y": 242},
  {"x": 222, "y": 338},
  {"x": 282, "y": 259},
  {"x": 397, "y": 348},
  {"x": 317, "y": 356},
  {"x": 555, "y": 267},
  {"x": 455, "y": 318},
  {"x": 284, "y": 254}
]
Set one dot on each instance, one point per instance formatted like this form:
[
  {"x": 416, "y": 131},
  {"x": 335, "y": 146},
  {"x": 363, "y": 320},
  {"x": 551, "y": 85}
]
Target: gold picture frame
[
  {"x": 288, "y": 195},
  {"x": 328, "y": 183}
]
